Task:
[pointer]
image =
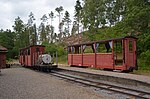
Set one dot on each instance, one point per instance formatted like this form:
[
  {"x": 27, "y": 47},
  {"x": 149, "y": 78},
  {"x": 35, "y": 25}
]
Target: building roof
[{"x": 3, "y": 49}]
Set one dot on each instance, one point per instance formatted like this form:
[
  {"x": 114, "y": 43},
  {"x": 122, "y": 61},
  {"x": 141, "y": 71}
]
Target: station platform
[{"x": 118, "y": 77}]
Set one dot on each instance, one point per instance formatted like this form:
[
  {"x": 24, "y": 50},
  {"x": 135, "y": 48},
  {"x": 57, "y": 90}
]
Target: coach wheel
[
  {"x": 48, "y": 70},
  {"x": 131, "y": 69},
  {"x": 107, "y": 69},
  {"x": 40, "y": 69},
  {"x": 127, "y": 71}
]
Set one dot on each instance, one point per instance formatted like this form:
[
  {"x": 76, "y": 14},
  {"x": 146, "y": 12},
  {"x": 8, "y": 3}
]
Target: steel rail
[{"x": 90, "y": 82}]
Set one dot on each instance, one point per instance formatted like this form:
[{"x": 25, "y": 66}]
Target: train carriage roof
[
  {"x": 102, "y": 41},
  {"x": 32, "y": 46}
]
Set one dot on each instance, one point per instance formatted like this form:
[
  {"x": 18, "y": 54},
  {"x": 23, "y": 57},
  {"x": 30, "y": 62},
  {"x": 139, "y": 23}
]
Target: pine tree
[
  {"x": 51, "y": 16},
  {"x": 31, "y": 26},
  {"x": 18, "y": 33},
  {"x": 59, "y": 10},
  {"x": 77, "y": 15},
  {"x": 67, "y": 22}
]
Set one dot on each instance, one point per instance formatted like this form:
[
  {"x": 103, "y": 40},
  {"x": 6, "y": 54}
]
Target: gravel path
[{"x": 22, "y": 83}]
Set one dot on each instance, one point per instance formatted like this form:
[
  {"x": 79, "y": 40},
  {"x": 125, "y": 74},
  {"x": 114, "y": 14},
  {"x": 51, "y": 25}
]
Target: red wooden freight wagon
[
  {"x": 35, "y": 57},
  {"x": 115, "y": 54},
  {"x": 29, "y": 55}
]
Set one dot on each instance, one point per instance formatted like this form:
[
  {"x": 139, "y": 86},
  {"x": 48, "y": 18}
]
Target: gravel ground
[{"x": 22, "y": 83}]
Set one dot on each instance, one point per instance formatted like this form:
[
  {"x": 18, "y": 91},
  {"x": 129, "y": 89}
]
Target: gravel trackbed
[{"x": 22, "y": 83}]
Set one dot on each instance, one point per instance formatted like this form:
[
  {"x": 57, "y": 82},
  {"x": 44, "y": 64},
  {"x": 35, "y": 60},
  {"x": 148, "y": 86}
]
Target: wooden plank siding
[{"x": 125, "y": 60}]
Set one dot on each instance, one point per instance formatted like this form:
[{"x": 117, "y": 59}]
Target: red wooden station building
[{"x": 3, "y": 51}]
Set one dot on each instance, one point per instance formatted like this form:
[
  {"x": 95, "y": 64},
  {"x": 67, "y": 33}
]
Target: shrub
[
  {"x": 53, "y": 48},
  {"x": 144, "y": 60}
]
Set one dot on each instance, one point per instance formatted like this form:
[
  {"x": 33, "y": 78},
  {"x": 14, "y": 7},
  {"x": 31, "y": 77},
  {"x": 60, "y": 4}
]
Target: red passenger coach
[{"x": 115, "y": 54}]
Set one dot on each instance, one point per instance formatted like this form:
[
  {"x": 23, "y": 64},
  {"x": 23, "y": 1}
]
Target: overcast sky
[{"x": 11, "y": 9}]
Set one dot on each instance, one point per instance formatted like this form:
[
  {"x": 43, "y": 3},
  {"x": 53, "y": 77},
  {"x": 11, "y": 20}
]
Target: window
[
  {"x": 37, "y": 50},
  {"x": 104, "y": 47},
  {"x": 88, "y": 49},
  {"x": 77, "y": 49},
  {"x": 130, "y": 45},
  {"x": 28, "y": 51},
  {"x": 69, "y": 50},
  {"x": 118, "y": 46},
  {"x": 25, "y": 52}
]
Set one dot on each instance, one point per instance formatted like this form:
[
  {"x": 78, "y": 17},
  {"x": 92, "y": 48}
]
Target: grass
[
  {"x": 141, "y": 72},
  {"x": 143, "y": 69},
  {"x": 63, "y": 59}
]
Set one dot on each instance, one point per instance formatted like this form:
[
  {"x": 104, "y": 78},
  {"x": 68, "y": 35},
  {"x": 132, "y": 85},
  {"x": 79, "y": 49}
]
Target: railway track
[{"x": 95, "y": 83}]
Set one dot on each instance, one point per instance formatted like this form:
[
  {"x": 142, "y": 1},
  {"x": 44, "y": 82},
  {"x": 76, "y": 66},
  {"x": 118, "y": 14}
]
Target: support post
[
  {"x": 53, "y": 58},
  {"x": 56, "y": 59}
]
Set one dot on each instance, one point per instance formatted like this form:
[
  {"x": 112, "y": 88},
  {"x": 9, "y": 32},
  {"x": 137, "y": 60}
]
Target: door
[
  {"x": 131, "y": 54},
  {"x": 23, "y": 59},
  {"x": 118, "y": 53},
  {"x": 0, "y": 62}
]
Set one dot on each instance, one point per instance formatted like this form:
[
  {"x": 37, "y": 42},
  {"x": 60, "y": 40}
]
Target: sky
[{"x": 11, "y": 9}]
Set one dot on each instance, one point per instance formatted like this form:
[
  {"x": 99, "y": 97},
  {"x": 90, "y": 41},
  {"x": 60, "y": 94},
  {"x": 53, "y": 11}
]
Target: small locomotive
[{"x": 34, "y": 57}]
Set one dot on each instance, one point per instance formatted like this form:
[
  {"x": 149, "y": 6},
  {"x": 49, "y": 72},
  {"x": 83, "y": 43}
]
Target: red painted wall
[
  {"x": 34, "y": 54},
  {"x": 89, "y": 60},
  {"x": 104, "y": 60},
  {"x": 77, "y": 59},
  {"x": 69, "y": 59},
  {"x": 2, "y": 60}
]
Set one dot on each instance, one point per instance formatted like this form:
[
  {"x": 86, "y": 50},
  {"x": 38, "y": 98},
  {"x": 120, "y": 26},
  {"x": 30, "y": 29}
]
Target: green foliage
[
  {"x": 144, "y": 60},
  {"x": 101, "y": 13},
  {"x": 146, "y": 56},
  {"x": 13, "y": 53},
  {"x": 59, "y": 10},
  {"x": 78, "y": 9},
  {"x": 63, "y": 59},
  {"x": 78, "y": 13},
  {"x": 137, "y": 21},
  {"x": 106, "y": 33},
  {"x": 31, "y": 27},
  {"x": 42, "y": 32},
  {"x": 7, "y": 40},
  {"x": 66, "y": 21},
  {"x": 53, "y": 48},
  {"x": 137, "y": 16},
  {"x": 19, "y": 36}
]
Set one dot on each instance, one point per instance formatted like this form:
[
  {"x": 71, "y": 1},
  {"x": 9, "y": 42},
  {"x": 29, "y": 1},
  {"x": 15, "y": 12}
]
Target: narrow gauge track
[{"x": 94, "y": 83}]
